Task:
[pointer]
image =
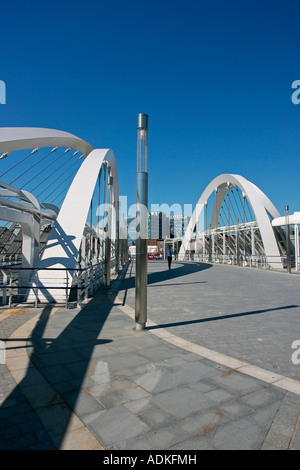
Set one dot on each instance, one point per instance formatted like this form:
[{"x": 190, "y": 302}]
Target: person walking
[{"x": 169, "y": 254}]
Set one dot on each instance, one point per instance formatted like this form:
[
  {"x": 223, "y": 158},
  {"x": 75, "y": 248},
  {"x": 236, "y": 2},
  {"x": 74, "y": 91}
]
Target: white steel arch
[
  {"x": 262, "y": 207},
  {"x": 28, "y": 211},
  {"x": 21, "y": 138},
  {"x": 62, "y": 247}
]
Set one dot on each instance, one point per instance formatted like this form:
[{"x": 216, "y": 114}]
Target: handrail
[
  {"x": 49, "y": 269},
  {"x": 257, "y": 260},
  {"x": 93, "y": 277}
]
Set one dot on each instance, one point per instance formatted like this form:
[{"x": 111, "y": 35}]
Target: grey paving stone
[
  {"x": 295, "y": 441},
  {"x": 219, "y": 395},
  {"x": 82, "y": 402},
  {"x": 235, "y": 410},
  {"x": 182, "y": 402},
  {"x": 149, "y": 413},
  {"x": 160, "y": 439},
  {"x": 40, "y": 395},
  {"x": 276, "y": 441},
  {"x": 114, "y": 425},
  {"x": 9, "y": 432},
  {"x": 237, "y": 383},
  {"x": 7, "y": 445},
  {"x": 204, "y": 422},
  {"x": 239, "y": 435},
  {"x": 264, "y": 416},
  {"x": 261, "y": 398},
  {"x": 197, "y": 443},
  {"x": 23, "y": 442},
  {"x": 135, "y": 391}
]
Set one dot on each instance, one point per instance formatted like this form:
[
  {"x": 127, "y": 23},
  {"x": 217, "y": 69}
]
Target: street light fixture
[{"x": 142, "y": 222}]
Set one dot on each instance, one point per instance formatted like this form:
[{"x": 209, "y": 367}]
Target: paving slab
[{"x": 212, "y": 370}]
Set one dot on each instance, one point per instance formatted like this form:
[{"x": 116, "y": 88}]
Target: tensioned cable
[
  {"x": 32, "y": 166},
  {"x": 234, "y": 221},
  {"x": 237, "y": 206},
  {"x": 249, "y": 209},
  {"x": 227, "y": 210},
  {"x": 40, "y": 172},
  {"x": 56, "y": 169},
  {"x": 220, "y": 216},
  {"x": 250, "y": 216},
  {"x": 65, "y": 187},
  {"x": 66, "y": 171},
  {"x": 14, "y": 166}
]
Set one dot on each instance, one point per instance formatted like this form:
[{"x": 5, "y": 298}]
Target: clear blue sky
[{"x": 214, "y": 77}]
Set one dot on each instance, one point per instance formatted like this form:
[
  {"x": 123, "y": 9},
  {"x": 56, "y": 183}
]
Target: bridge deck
[{"x": 212, "y": 370}]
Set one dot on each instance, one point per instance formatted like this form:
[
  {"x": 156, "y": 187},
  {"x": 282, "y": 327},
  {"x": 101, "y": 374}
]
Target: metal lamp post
[
  {"x": 288, "y": 244},
  {"x": 142, "y": 222}
]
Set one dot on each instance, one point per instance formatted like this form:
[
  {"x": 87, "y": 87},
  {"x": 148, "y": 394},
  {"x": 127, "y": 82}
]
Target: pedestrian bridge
[{"x": 62, "y": 230}]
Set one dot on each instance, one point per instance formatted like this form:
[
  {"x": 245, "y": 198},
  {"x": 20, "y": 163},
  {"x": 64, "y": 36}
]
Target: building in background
[
  {"x": 157, "y": 225},
  {"x": 178, "y": 225},
  {"x": 131, "y": 228},
  {"x": 160, "y": 226}
]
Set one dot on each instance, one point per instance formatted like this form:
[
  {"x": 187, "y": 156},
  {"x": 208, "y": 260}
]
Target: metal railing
[
  {"x": 252, "y": 261},
  {"x": 85, "y": 282}
]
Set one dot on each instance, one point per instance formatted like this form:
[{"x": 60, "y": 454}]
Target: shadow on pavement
[
  {"x": 65, "y": 357},
  {"x": 165, "y": 274},
  {"x": 222, "y": 317}
]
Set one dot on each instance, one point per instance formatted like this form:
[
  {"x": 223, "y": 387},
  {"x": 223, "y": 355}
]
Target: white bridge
[
  {"x": 53, "y": 242},
  {"x": 264, "y": 238},
  {"x": 74, "y": 247}
]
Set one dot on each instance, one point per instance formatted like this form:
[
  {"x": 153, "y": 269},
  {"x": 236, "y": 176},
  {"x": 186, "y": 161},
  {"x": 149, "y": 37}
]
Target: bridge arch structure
[
  {"x": 262, "y": 208},
  {"x": 61, "y": 252}
]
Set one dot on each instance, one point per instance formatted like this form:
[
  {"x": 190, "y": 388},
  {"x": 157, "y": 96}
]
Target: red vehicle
[{"x": 155, "y": 255}]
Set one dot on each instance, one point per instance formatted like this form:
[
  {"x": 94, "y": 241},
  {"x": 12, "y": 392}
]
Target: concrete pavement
[{"x": 213, "y": 369}]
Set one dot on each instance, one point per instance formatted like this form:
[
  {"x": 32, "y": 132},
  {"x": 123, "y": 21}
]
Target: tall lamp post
[
  {"x": 288, "y": 243},
  {"x": 142, "y": 222}
]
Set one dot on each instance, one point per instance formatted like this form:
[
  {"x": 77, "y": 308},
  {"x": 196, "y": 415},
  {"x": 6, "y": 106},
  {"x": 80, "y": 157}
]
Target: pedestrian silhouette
[{"x": 169, "y": 254}]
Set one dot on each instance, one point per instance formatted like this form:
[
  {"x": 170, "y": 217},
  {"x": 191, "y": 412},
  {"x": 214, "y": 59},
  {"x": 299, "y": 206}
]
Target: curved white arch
[
  {"x": 259, "y": 202},
  {"x": 21, "y": 138},
  {"x": 62, "y": 247}
]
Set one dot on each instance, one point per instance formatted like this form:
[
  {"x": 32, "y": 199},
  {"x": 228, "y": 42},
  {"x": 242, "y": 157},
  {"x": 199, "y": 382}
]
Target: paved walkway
[{"x": 213, "y": 369}]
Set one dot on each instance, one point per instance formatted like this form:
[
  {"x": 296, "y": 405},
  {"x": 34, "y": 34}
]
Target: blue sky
[{"x": 214, "y": 77}]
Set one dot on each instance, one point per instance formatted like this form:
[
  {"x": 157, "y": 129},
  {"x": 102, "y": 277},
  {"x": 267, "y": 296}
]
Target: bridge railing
[
  {"x": 252, "y": 261},
  {"x": 85, "y": 282}
]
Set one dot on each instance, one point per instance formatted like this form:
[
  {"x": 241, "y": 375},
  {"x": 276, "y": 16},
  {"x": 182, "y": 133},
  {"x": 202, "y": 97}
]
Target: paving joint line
[
  {"x": 77, "y": 436},
  {"x": 278, "y": 380}
]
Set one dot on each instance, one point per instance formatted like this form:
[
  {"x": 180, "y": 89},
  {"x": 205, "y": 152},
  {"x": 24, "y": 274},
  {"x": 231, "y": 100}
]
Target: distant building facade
[
  {"x": 178, "y": 225},
  {"x": 157, "y": 225},
  {"x": 160, "y": 226}
]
